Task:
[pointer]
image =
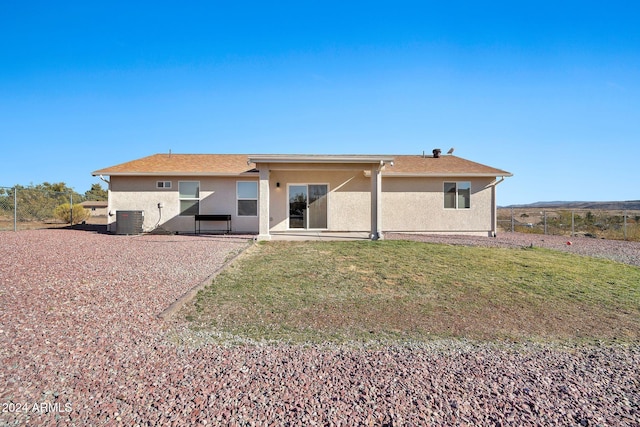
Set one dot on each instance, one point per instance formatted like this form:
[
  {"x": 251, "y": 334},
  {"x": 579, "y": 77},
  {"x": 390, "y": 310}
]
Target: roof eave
[
  {"x": 279, "y": 158},
  {"x": 444, "y": 175},
  {"x": 250, "y": 172}
]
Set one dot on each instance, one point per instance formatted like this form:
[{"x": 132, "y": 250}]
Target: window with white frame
[
  {"x": 189, "y": 197},
  {"x": 457, "y": 195},
  {"x": 163, "y": 184},
  {"x": 247, "y": 195}
]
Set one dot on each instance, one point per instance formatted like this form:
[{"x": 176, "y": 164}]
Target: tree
[
  {"x": 38, "y": 202},
  {"x": 63, "y": 212},
  {"x": 6, "y": 202},
  {"x": 96, "y": 193},
  {"x": 590, "y": 218}
]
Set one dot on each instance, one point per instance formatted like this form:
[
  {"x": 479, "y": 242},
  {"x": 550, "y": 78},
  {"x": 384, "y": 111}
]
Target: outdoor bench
[{"x": 200, "y": 218}]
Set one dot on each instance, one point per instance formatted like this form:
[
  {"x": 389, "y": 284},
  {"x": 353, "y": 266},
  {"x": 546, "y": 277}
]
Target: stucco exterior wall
[
  {"x": 348, "y": 198},
  {"x": 408, "y": 204},
  {"x": 95, "y": 211},
  {"x": 417, "y": 205},
  {"x": 217, "y": 196}
]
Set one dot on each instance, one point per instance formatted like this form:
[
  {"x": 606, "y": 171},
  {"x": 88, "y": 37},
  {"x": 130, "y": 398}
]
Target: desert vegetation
[
  {"x": 596, "y": 223},
  {"x": 44, "y": 205}
]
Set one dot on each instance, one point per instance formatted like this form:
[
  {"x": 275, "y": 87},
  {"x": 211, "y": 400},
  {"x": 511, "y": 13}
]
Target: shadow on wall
[{"x": 155, "y": 219}]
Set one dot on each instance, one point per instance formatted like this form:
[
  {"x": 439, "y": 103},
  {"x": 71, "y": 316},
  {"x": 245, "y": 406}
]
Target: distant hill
[{"x": 628, "y": 205}]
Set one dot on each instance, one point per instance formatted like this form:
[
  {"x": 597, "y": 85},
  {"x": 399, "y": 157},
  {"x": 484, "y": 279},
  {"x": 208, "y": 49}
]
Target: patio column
[
  {"x": 263, "y": 203},
  {"x": 376, "y": 201}
]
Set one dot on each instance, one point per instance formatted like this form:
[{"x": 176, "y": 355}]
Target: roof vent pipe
[{"x": 436, "y": 153}]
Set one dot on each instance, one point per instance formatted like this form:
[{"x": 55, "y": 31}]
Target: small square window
[
  {"x": 457, "y": 195},
  {"x": 163, "y": 184}
]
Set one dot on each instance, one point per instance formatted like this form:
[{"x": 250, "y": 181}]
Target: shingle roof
[
  {"x": 94, "y": 204},
  {"x": 445, "y": 165},
  {"x": 236, "y": 164},
  {"x": 182, "y": 164}
]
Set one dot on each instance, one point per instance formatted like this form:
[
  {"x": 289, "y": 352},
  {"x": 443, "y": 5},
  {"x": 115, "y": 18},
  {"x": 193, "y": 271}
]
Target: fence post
[
  {"x": 573, "y": 226},
  {"x": 71, "y": 208},
  {"x": 15, "y": 209},
  {"x": 545, "y": 222},
  {"x": 625, "y": 225},
  {"x": 512, "y": 221}
]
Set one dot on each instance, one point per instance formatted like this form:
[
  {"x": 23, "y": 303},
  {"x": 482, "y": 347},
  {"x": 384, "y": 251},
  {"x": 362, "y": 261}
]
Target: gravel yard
[
  {"x": 81, "y": 344},
  {"x": 616, "y": 250}
]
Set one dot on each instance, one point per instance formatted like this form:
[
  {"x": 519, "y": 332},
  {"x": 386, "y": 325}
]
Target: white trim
[
  {"x": 437, "y": 175},
  {"x": 319, "y": 158},
  {"x": 182, "y": 173}
]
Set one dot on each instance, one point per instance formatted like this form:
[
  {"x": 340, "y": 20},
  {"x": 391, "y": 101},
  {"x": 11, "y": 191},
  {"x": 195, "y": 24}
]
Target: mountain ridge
[{"x": 613, "y": 205}]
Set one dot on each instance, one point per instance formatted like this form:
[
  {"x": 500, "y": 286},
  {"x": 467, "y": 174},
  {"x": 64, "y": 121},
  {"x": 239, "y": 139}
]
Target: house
[
  {"x": 277, "y": 193},
  {"x": 96, "y": 207}
]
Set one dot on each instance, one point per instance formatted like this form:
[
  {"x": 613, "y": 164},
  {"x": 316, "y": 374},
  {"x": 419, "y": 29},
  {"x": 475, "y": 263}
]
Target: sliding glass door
[
  {"x": 308, "y": 206},
  {"x": 298, "y": 201},
  {"x": 317, "y": 206}
]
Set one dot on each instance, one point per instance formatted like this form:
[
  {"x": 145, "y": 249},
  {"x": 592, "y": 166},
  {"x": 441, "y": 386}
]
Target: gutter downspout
[{"x": 494, "y": 208}]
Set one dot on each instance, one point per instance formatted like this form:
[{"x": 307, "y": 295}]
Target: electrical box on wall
[{"x": 160, "y": 205}]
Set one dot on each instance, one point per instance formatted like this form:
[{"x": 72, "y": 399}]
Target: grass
[{"x": 398, "y": 291}]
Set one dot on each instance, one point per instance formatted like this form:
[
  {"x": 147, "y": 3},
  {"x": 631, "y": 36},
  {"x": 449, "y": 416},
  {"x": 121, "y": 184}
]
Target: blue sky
[{"x": 549, "y": 91}]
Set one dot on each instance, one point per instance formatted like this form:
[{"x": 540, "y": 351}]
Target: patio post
[
  {"x": 376, "y": 201},
  {"x": 263, "y": 203}
]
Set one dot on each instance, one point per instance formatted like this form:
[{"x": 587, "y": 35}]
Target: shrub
[{"x": 63, "y": 213}]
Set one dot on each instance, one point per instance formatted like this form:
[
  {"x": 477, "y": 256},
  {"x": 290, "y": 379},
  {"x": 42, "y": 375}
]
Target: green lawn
[{"x": 397, "y": 291}]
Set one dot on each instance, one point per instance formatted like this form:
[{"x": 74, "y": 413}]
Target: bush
[{"x": 63, "y": 213}]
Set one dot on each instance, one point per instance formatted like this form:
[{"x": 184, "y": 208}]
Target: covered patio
[{"x": 287, "y": 205}]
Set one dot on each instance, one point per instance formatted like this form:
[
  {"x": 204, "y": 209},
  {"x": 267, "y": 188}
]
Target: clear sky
[{"x": 548, "y": 90}]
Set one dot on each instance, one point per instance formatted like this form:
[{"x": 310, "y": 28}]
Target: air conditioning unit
[{"x": 129, "y": 222}]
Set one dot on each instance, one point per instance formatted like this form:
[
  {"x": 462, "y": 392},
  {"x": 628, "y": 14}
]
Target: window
[
  {"x": 247, "y": 192},
  {"x": 189, "y": 197},
  {"x": 163, "y": 184},
  {"x": 457, "y": 195}
]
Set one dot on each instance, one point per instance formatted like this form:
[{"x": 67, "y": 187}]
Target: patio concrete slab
[{"x": 319, "y": 235}]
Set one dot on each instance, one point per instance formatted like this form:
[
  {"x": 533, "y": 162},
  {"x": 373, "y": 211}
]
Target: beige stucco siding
[
  {"x": 417, "y": 205},
  {"x": 348, "y": 200},
  {"x": 409, "y": 204},
  {"x": 217, "y": 196}
]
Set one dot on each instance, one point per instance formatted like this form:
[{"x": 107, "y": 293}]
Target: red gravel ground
[{"x": 81, "y": 344}]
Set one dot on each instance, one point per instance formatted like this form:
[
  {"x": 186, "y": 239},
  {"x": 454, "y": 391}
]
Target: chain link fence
[
  {"x": 30, "y": 208},
  {"x": 596, "y": 223}
]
